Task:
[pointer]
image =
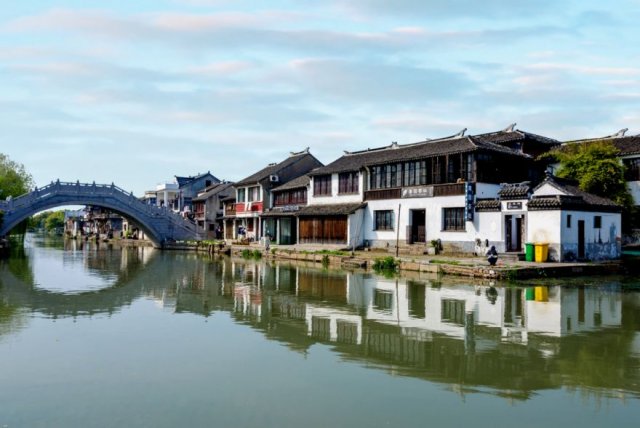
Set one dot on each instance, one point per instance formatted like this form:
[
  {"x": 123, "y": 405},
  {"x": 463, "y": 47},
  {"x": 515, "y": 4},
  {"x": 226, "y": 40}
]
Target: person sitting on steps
[{"x": 492, "y": 255}]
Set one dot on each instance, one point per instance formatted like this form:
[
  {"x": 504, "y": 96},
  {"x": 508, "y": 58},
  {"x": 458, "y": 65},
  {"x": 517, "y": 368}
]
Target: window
[
  {"x": 383, "y": 300},
  {"x": 453, "y": 219},
  {"x": 632, "y": 169},
  {"x": 597, "y": 222},
  {"x": 291, "y": 197},
  {"x": 348, "y": 182},
  {"x": 568, "y": 221},
  {"x": 254, "y": 193},
  {"x": 322, "y": 185},
  {"x": 383, "y": 220},
  {"x": 241, "y": 194},
  {"x": 453, "y": 311}
]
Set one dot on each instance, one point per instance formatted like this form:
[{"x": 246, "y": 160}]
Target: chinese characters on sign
[
  {"x": 418, "y": 192},
  {"x": 514, "y": 205},
  {"x": 469, "y": 203}
]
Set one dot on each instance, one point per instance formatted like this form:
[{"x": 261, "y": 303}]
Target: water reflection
[{"x": 510, "y": 341}]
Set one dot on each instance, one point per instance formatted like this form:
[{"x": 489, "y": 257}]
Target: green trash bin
[
  {"x": 529, "y": 251},
  {"x": 529, "y": 293}
]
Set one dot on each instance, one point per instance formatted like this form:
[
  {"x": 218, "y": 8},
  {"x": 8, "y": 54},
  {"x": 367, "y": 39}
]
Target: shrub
[
  {"x": 246, "y": 254},
  {"x": 387, "y": 264},
  {"x": 325, "y": 260},
  {"x": 257, "y": 254}
]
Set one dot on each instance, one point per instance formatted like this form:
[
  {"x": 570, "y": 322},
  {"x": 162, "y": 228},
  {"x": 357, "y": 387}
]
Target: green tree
[
  {"x": 14, "y": 179},
  {"x": 597, "y": 169},
  {"x": 54, "y": 220}
]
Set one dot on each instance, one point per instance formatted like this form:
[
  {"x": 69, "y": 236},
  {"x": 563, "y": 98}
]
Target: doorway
[
  {"x": 287, "y": 231},
  {"x": 418, "y": 226},
  {"x": 514, "y": 231}
]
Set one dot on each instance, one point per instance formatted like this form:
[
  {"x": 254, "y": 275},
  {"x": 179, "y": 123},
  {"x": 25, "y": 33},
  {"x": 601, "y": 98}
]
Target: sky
[{"x": 135, "y": 92}]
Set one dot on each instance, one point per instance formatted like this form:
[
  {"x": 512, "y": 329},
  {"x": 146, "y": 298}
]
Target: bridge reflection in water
[{"x": 511, "y": 341}]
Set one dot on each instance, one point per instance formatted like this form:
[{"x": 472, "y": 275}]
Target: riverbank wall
[{"x": 473, "y": 267}]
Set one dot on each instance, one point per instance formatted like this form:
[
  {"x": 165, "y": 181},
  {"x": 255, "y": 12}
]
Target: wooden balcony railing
[
  {"x": 375, "y": 195},
  {"x": 452, "y": 189}
]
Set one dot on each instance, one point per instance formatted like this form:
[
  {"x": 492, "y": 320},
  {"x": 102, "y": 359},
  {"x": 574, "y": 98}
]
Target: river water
[{"x": 95, "y": 336}]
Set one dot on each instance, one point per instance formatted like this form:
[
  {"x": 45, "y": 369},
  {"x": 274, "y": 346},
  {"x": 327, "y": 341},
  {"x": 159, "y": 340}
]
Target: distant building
[
  {"x": 178, "y": 195},
  {"x": 253, "y": 194},
  {"x": 208, "y": 209}
]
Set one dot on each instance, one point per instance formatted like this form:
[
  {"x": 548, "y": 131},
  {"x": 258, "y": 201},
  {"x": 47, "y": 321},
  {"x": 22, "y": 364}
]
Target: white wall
[
  {"x": 547, "y": 189},
  {"x": 433, "y": 218},
  {"x": 336, "y": 198},
  {"x": 551, "y": 227},
  {"x": 356, "y": 228},
  {"x": 485, "y": 226},
  {"x": 544, "y": 227}
]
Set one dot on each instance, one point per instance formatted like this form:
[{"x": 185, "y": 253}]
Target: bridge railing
[{"x": 96, "y": 190}]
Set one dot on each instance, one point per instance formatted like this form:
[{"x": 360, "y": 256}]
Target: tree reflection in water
[{"x": 506, "y": 340}]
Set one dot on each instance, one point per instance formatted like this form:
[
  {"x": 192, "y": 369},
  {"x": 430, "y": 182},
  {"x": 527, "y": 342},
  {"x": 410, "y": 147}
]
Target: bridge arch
[{"x": 159, "y": 223}]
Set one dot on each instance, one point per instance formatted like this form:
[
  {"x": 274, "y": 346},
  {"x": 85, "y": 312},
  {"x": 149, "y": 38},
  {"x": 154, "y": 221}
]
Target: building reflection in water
[{"x": 503, "y": 339}]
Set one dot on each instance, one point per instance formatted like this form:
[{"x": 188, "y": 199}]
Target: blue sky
[{"x": 138, "y": 91}]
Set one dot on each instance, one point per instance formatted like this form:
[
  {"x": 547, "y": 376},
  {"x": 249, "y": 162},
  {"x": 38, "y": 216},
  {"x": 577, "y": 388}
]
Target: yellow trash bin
[
  {"x": 542, "y": 252},
  {"x": 541, "y": 294}
]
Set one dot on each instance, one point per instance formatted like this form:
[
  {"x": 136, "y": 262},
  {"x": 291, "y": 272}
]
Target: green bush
[
  {"x": 386, "y": 264},
  {"x": 246, "y": 254},
  {"x": 257, "y": 254},
  {"x": 325, "y": 260}
]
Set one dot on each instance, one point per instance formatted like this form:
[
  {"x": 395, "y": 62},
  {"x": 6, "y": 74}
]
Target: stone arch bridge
[{"x": 160, "y": 224}]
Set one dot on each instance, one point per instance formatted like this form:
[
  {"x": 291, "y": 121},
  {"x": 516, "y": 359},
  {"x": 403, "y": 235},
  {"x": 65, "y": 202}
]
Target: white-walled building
[
  {"x": 426, "y": 191},
  {"x": 575, "y": 224}
]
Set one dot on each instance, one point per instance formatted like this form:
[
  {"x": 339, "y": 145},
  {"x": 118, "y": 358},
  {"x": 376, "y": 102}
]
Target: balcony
[
  {"x": 452, "y": 189},
  {"x": 428, "y": 191},
  {"x": 375, "y": 195},
  {"x": 248, "y": 207}
]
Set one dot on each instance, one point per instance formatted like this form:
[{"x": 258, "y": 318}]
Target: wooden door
[{"x": 323, "y": 230}]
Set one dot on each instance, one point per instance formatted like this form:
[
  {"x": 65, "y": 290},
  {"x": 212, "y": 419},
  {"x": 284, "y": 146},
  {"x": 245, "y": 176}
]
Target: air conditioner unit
[{"x": 274, "y": 178}]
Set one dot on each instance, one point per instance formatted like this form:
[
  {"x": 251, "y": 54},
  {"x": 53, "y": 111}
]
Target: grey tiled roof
[
  {"x": 484, "y": 205},
  {"x": 515, "y": 191},
  {"x": 626, "y": 145},
  {"x": 224, "y": 189},
  {"x": 333, "y": 209},
  {"x": 182, "y": 181},
  {"x": 502, "y": 137},
  {"x": 574, "y": 198},
  {"x": 444, "y": 146},
  {"x": 316, "y": 210},
  {"x": 296, "y": 183},
  {"x": 274, "y": 168}
]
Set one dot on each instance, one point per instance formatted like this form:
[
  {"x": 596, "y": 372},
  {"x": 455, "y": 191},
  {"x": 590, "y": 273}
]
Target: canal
[{"x": 94, "y": 336}]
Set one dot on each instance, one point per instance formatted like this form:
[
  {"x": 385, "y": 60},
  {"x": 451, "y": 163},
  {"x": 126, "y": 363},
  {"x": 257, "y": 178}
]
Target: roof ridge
[{"x": 395, "y": 146}]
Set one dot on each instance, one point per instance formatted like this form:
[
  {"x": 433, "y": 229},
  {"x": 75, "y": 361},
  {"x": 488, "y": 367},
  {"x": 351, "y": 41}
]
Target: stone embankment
[{"x": 475, "y": 267}]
